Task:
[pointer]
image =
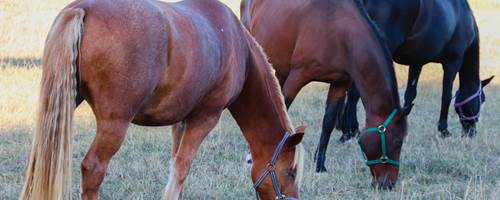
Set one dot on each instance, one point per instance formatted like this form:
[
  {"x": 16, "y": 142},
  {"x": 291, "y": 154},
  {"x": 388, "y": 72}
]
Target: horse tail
[{"x": 48, "y": 175}]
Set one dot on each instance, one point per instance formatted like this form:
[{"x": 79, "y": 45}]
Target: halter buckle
[
  {"x": 282, "y": 197},
  {"x": 382, "y": 129},
  {"x": 270, "y": 167},
  {"x": 384, "y": 159}
]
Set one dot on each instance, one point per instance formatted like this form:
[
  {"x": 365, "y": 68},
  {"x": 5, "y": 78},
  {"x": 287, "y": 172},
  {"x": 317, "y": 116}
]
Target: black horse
[{"x": 418, "y": 32}]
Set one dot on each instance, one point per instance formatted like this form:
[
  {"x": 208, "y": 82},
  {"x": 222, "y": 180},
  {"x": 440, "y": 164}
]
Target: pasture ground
[{"x": 432, "y": 168}]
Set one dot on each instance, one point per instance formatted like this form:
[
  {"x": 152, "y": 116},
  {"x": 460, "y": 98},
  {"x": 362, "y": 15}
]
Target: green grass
[
  {"x": 432, "y": 168},
  {"x": 454, "y": 168}
]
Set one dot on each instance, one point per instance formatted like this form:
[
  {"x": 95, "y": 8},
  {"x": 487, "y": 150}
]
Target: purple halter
[{"x": 458, "y": 106}]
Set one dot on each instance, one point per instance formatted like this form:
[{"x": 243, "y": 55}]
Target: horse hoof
[
  {"x": 350, "y": 135},
  {"x": 321, "y": 169},
  {"x": 320, "y": 162},
  {"x": 344, "y": 138},
  {"x": 445, "y": 133},
  {"x": 356, "y": 133}
]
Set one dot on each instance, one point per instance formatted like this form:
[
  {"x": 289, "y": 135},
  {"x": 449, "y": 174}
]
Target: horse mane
[
  {"x": 298, "y": 163},
  {"x": 382, "y": 42},
  {"x": 274, "y": 90},
  {"x": 271, "y": 82}
]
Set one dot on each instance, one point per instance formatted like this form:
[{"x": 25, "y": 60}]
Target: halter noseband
[
  {"x": 384, "y": 159},
  {"x": 270, "y": 171},
  {"x": 459, "y": 105}
]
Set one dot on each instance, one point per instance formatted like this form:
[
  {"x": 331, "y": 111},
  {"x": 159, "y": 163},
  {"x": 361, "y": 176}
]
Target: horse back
[
  {"x": 312, "y": 35},
  {"x": 162, "y": 60},
  {"x": 206, "y": 62},
  {"x": 440, "y": 28}
]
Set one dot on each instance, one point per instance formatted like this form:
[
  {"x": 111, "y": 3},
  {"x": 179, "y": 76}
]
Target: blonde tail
[{"x": 48, "y": 175}]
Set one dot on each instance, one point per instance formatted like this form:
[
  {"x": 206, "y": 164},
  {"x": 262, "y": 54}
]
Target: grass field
[{"x": 432, "y": 168}]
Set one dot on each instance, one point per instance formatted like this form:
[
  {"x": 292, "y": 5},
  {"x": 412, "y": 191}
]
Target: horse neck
[
  {"x": 377, "y": 94},
  {"x": 374, "y": 75},
  {"x": 259, "y": 110},
  {"x": 469, "y": 80},
  {"x": 377, "y": 87},
  {"x": 469, "y": 72},
  {"x": 396, "y": 30}
]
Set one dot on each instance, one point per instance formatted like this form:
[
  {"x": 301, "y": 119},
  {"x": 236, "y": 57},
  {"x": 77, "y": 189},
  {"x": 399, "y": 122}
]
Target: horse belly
[
  {"x": 182, "y": 89},
  {"x": 433, "y": 29},
  {"x": 174, "y": 97}
]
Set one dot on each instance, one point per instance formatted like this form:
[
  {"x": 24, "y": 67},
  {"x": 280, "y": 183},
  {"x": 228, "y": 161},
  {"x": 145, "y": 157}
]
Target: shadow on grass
[{"x": 20, "y": 62}]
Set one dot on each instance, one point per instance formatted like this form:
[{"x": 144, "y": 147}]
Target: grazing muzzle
[
  {"x": 381, "y": 130},
  {"x": 270, "y": 171}
]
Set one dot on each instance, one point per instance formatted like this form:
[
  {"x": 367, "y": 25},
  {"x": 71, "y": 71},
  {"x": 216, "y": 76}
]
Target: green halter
[{"x": 381, "y": 131}]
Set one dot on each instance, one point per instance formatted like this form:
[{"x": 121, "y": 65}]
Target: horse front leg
[
  {"x": 334, "y": 102},
  {"x": 411, "y": 86},
  {"x": 349, "y": 120},
  {"x": 450, "y": 72},
  {"x": 196, "y": 129}
]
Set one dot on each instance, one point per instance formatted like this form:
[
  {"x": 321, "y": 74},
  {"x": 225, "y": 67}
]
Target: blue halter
[{"x": 270, "y": 171}]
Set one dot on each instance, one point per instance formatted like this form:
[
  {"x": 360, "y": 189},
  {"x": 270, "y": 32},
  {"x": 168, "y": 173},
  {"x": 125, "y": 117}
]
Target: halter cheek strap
[
  {"x": 459, "y": 105},
  {"x": 271, "y": 171},
  {"x": 381, "y": 130}
]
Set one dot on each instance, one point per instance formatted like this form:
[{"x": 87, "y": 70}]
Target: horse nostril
[
  {"x": 383, "y": 183},
  {"x": 469, "y": 129},
  {"x": 470, "y": 132}
]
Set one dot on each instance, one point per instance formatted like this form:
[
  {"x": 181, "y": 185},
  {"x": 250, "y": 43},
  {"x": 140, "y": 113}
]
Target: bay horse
[
  {"x": 334, "y": 41},
  {"x": 156, "y": 64},
  {"x": 420, "y": 32}
]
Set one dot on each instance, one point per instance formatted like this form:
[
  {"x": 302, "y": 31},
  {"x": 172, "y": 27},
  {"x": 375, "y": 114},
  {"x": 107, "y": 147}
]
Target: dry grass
[{"x": 432, "y": 168}]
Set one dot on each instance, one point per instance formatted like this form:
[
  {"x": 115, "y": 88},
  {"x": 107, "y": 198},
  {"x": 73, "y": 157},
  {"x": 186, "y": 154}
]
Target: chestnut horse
[
  {"x": 443, "y": 31},
  {"x": 333, "y": 41},
  {"x": 157, "y": 64}
]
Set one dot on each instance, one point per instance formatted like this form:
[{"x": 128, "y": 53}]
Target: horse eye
[
  {"x": 291, "y": 173},
  {"x": 398, "y": 142}
]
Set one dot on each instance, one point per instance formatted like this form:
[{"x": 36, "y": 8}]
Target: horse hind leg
[
  {"x": 177, "y": 132},
  {"x": 109, "y": 137},
  {"x": 114, "y": 110},
  {"x": 334, "y": 101},
  {"x": 295, "y": 81},
  {"x": 196, "y": 129}
]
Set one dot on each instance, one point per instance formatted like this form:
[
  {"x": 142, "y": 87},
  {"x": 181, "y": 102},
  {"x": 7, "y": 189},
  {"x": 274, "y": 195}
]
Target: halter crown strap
[
  {"x": 381, "y": 130},
  {"x": 270, "y": 171}
]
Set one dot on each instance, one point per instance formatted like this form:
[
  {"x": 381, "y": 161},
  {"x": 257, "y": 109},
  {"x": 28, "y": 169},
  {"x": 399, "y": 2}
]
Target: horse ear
[
  {"x": 405, "y": 111},
  {"x": 300, "y": 129},
  {"x": 486, "y": 81},
  {"x": 296, "y": 138}
]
